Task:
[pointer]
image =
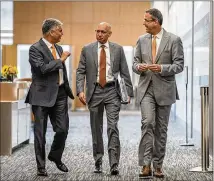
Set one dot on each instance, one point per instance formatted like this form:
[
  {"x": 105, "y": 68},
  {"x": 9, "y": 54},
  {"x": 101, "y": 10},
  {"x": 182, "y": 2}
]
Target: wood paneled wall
[{"x": 80, "y": 20}]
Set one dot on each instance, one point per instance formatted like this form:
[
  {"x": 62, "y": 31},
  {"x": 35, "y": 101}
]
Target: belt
[{"x": 108, "y": 84}]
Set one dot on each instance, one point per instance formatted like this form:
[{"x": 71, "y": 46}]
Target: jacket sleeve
[
  {"x": 80, "y": 73},
  {"x": 37, "y": 62},
  {"x": 137, "y": 58},
  {"x": 177, "y": 60}
]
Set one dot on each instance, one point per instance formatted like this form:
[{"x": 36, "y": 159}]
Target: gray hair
[
  {"x": 156, "y": 14},
  {"x": 49, "y": 24}
]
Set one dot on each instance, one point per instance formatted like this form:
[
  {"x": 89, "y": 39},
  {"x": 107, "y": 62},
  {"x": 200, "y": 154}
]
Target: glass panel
[
  {"x": 68, "y": 62},
  {"x": 201, "y": 56},
  {"x": 180, "y": 13},
  {"x": 23, "y": 65},
  {"x": 129, "y": 53},
  {"x": 6, "y": 22}
]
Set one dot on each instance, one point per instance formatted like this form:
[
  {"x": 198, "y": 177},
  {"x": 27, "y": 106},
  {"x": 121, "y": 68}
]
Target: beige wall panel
[
  {"x": 9, "y": 55},
  {"x": 28, "y": 12},
  {"x": 133, "y": 12},
  {"x": 106, "y": 11},
  {"x": 82, "y": 12},
  {"x": 27, "y": 33},
  {"x": 82, "y": 33},
  {"x": 58, "y": 10}
]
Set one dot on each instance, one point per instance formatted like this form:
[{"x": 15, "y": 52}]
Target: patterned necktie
[
  {"x": 53, "y": 52},
  {"x": 154, "y": 47},
  {"x": 102, "y": 72}
]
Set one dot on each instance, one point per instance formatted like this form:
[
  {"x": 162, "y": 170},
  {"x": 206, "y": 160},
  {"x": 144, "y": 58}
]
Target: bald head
[
  {"x": 106, "y": 25},
  {"x": 103, "y": 32}
]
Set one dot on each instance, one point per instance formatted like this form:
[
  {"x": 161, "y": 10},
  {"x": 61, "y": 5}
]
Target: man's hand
[
  {"x": 142, "y": 67},
  {"x": 82, "y": 97},
  {"x": 129, "y": 100},
  {"x": 64, "y": 56},
  {"x": 154, "y": 67}
]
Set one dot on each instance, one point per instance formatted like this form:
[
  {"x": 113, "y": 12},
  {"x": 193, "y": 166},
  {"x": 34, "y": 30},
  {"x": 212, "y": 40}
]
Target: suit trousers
[
  {"x": 58, "y": 115},
  {"x": 154, "y": 127},
  {"x": 109, "y": 99}
]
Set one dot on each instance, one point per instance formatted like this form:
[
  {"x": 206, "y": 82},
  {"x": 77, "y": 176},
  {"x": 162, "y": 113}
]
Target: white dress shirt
[
  {"x": 109, "y": 76},
  {"x": 49, "y": 45}
]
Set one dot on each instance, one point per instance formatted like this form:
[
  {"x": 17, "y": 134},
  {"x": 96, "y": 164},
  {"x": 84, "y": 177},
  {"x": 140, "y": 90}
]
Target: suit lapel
[
  {"x": 95, "y": 54},
  {"x": 149, "y": 45},
  {"x": 46, "y": 49},
  {"x": 111, "y": 49},
  {"x": 162, "y": 45}
]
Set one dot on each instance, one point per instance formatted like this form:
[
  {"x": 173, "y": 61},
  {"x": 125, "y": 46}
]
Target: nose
[{"x": 99, "y": 33}]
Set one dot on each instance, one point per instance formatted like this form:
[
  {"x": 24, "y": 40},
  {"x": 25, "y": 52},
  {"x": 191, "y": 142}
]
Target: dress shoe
[
  {"x": 114, "y": 169},
  {"x": 98, "y": 166},
  {"x": 146, "y": 172},
  {"x": 158, "y": 173},
  {"x": 42, "y": 172},
  {"x": 61, "y": 166}
]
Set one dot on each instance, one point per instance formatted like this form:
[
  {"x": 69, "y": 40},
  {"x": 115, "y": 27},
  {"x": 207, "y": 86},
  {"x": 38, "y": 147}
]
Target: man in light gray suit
[
  {"x": 158, "y": 57},
  {"x": 100, "y": 63}
]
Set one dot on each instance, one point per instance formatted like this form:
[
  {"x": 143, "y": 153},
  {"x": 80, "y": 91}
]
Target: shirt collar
[
  {"x": 160, "y": 34},
  {"x": 47, "y": 43},
  {"x": 106, "y": 44}
]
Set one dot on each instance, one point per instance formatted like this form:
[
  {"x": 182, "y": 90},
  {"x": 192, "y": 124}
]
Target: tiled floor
[{"x": 78, "y": 154}]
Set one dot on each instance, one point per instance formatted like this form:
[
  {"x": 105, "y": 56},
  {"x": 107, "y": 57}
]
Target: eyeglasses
[
  {"x": 148, "y": 20},
  {"x": 101, "y": 31}
]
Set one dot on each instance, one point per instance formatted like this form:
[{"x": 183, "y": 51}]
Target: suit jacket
[
  {"x": 45, "y": 73},
  {"x": 88, "y": 68},
  {"x": 170, "y": 56}
]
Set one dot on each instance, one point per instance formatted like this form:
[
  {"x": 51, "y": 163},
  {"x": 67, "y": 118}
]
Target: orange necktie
[
  {"x": 102, "y": 72},
  {"x": 55, "y": 57},
  {"x": 154, "y": 47},
  {"x": 53, "y": 52}
]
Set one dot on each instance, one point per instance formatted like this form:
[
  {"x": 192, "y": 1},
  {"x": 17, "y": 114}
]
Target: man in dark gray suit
[
  {"x": 48, "y": 94},
  {"x": 158, "y": 57},
  {"x": 100, "y": 63}
]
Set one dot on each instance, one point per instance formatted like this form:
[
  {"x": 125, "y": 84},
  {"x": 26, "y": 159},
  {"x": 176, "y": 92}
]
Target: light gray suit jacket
[
  {"x": 88, "y": 68},
  {"x": 170, "y": 56}
]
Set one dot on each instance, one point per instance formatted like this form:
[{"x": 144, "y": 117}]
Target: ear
[
  {"x": 51, "y": 32},
  {"x": 109, "y": 34}
]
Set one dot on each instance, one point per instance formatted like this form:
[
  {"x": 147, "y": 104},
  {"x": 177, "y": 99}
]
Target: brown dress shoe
[
  {"x": 146, "y": 172},
  {"x": 158, "y": 173}
]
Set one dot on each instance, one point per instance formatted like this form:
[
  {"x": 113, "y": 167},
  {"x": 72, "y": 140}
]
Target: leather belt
[{"x": 108, "y": 84}]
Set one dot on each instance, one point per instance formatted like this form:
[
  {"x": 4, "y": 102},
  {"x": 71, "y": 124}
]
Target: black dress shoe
[
  {"x": 114, "y": 170},
  {"x": 61, "y": 166},
  {"x": 98, "y": 166},
  {"x": 42, "y": 172}
]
